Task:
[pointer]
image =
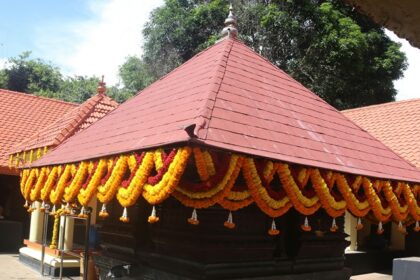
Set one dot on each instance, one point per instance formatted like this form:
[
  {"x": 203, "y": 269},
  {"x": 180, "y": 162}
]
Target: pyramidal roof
[
  {"x": 70, "y": 123},
  {"x": 230, "y": 97}
]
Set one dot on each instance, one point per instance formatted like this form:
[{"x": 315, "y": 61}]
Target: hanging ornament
[
  {"x": 26, "y": 204},
  {"x": 359, "y": 225},
  {"x": 153, "y": 218},
  {"x": 67, "y": 209},
  {"x": 53, "y": 211},
  {"x": 380, "y": 229},
  {"x": 194, "y": 218},
  {"x": 83, "y": 213},
  {"x": 229, "y": 222},
  {"x": 306, "y": 226},
  {"x": 417, "y": 227},
  {"x": 401, "y": 228},
  {"x": 42, "y": 207},
  {"x": 31, "y": 208},
  {"x": 273, "y": 230},
  {"x": 103, "y": 213},
  {"x": 124, "y": 218},
  {"x": 334, "y": 226}
]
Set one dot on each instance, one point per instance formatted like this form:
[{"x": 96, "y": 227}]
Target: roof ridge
[
  {"x": 38, "y": 97},
  {"x": 90, "y": 105},
  {"x": 205, "y": 112},
  {"x": 387, "y": 104}
]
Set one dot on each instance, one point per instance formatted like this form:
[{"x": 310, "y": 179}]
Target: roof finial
[
  {"x": 231, "y": 24},
  {"x": 101, "y": 89}
]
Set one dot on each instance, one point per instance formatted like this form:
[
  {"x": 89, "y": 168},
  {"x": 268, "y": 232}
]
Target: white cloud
[
  {"x": 101, "y": 44},
  {"x": 3, "y": 62},
  {"x": 409, "y": 86}
]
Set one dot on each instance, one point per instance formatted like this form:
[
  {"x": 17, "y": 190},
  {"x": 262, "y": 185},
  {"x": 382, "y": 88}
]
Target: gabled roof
[
  {"x": 21, "y": 115},
  {"x": 70, "y": 123},
  {"x": 396, "y": 124},
  {"x": 229, "y": 97}
]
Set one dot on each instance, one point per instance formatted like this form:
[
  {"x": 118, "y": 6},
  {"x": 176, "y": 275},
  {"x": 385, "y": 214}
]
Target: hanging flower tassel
[
  {"x": 380, "y": 229},
  {"x": 26, "y": 204},
  {"x": 124, "y": 218},
  {"x": 83, "y": 213},
  {"x": 53, "y": 211},
  {"x": 67, "y": 209},
  {"x": 401, "y": 228},
  {"x": 229, "y": 222},
  {"x": 194, "y": 218},
  {"x": 334, "y": 226},
  {"x": 153, "y": 218},
  {"x": 273, "y": 230},
  {"x": 417, "y": 227},
  {"x": 42, "y": 206},
  {"x": 359, "y": 225},
  {"x": 306, "y": 226},
  {"x": 103, "y": 213},
  {"x": 31, "y": 208}
]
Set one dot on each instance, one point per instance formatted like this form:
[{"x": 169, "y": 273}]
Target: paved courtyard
[{"x": 12, "y": 268}]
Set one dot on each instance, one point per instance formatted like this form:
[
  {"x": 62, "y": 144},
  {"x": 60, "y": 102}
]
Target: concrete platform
[
  {"x": 372, "y": 276},
  {"x": 12, "y": 268}
]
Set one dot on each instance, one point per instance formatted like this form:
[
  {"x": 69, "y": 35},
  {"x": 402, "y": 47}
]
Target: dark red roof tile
[{"x": 238, "y": 101}]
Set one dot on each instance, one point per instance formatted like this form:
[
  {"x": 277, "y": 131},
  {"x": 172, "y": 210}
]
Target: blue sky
[{"x": 93, "y": 37}]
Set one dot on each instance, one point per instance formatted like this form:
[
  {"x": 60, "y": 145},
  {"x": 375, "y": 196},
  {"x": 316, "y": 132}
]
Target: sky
[{"x": 94, "y": 37}]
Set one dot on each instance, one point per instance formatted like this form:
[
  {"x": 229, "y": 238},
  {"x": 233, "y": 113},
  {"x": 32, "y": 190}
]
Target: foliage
[
  {"x": 74, "y": 89},
  {"x": 339, "y": 54},
  {"x": 30, "y": 75}
]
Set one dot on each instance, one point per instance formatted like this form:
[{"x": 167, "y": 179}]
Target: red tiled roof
[
  {"x": 21, "y": 115},
  {"x": 72, "y": 122},
  {"x": 230, "y": 97},
  {"x": 396, "y": 124}
]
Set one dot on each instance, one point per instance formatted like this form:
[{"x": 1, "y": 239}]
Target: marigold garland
[
  {"x": 108, "y": 190},
  {"x": 72, "y": 190},
  {"x": 86, "y": 194},
  {"x": 36, "y": 191},
  {"x": 328, "y": 202},
  {"x": 273, "y": 208},
  {"x": 304, "y": 205},
  {"x": 110, "y": 178},
  {"x": 129, "y": 195},
  {"x": 51, "y": 182},
  {"x": 57, "y": 193},
  {"x": 155, "y": 194},
  {"x": 356, "y": 207},
  {"x": 398, "y": 212},
  {"x": 223, "y": 188},
  {"x": 381, "y": 214}
]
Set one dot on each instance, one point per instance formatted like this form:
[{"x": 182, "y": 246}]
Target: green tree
[
  {"x": 24, "y": 74},
  {"x": 74, "y": 89},
  {"x": 338, "y": 53},
  {"x": 134, "y": 74}
]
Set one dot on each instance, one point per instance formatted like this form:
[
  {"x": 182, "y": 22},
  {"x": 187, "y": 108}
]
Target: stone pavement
[{"x": 12, "y": 268}]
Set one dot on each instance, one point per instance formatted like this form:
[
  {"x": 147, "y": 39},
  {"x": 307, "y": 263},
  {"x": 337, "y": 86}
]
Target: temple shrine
[{"x": 227, "y": 168}]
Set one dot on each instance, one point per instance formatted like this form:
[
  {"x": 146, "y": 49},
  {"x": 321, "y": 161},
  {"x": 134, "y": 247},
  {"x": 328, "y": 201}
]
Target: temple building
[
  {"x": 46, "y": 133},
  {"x": 22, "y": 115},
  {"x": 396, "y": 124},
  {"x": 227, "y": 168}
]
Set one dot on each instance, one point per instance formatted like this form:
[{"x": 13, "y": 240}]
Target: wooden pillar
[{"x": 37, "y": 219}]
